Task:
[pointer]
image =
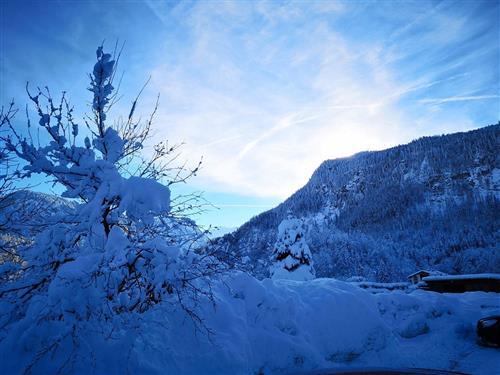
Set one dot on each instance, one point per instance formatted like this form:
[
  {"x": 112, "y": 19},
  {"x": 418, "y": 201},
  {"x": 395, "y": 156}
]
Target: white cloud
[
  {"x": 265, "y": 102},
  {"x": 458, "y": 99}
]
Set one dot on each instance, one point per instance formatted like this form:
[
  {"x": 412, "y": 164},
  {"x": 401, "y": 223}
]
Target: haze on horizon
[{"x": 265, "y": 91}]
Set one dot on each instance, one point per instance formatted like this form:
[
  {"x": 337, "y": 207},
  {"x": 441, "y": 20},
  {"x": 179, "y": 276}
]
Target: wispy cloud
[
  {"x": 458, "y": 99},
  {"x": 267, "y": 92},
  {"x": 284, "y": 123},
  {"x": 236, "y": 205}
]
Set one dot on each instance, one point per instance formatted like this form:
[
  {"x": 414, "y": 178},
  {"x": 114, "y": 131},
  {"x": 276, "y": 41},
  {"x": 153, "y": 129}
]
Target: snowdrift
[{"x": 280, "y": 326}]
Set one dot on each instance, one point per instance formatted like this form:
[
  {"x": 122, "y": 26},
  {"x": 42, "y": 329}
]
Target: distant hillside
[
  {"x": 27, "y": 212},
  {"x": 433, "y": 203}
]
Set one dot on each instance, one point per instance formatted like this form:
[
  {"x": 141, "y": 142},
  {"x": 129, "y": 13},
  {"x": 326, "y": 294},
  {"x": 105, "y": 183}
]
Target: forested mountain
[
  {"x": 26, "y": 213},
  {"x": 433, "y": 203}
]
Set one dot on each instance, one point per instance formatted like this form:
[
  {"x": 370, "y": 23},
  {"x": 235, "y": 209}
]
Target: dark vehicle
[{"x": 488, "y": 331}]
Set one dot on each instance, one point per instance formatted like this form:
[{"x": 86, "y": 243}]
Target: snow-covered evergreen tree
[{"x": 291, "y": 258}]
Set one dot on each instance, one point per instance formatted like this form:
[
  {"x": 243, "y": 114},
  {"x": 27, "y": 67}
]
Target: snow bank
[{"x": 284, "y": 326}]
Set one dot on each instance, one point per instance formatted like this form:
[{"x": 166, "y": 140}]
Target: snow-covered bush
[
  {"x": 291, "y": 258},
  {"x": 115, "y": 257}
]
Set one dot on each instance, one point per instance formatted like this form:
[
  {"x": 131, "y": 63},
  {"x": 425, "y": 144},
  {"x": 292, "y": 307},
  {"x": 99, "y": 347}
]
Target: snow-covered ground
[{"x": 283, "y": 326}]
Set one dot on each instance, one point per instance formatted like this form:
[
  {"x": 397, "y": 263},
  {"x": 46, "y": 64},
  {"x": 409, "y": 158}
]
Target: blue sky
[{"x": 267, "y": 90}]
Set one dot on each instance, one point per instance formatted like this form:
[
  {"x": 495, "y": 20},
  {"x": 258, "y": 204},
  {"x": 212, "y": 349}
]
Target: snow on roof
[
  {"x": 416, "y": 273},
  {"x": 491, "y": 276},
  {"x": 435, "y": 273}
]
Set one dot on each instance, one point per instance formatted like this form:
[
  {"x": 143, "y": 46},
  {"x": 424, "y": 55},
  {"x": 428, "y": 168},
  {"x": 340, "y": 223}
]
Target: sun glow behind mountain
[{"x": 265, "y": 91}]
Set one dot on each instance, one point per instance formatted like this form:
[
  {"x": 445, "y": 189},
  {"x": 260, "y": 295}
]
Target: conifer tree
[{"x": 291, "y": 258}]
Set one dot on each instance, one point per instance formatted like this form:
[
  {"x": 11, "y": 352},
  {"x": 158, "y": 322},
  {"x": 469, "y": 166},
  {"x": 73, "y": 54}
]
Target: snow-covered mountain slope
[
  {"x": 27, "y": 212},
  {"x": 220, "y": 231},
  {"x": 432, "y": 203}
]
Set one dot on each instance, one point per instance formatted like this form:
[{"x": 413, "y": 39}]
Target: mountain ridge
[{"x": 365, "y": 204}]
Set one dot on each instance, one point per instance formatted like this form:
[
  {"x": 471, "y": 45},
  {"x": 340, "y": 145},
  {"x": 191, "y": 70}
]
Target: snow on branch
[{"x": 125, "y": 248}]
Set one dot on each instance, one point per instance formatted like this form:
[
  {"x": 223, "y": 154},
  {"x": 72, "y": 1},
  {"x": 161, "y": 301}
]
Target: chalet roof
[
  {"x": 429, "y": 273},
  {"x": 418, "y": 272}
]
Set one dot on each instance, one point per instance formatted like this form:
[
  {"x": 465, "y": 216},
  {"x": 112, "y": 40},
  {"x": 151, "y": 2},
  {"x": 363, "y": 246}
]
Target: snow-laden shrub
[
  {"x": 291, "y": 258},
  {"x": 116, "y": 256}
]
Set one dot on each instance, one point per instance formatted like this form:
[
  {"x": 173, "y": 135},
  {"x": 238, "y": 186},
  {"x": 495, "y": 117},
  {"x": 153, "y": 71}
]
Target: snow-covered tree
[
  {"x": 118, "y": 254},
  {"x": 291, "y": 258},
  {"x": 9, "y": 236}
]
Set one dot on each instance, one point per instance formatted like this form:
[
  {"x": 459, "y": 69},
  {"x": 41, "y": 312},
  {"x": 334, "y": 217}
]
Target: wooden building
[
  {"x": 417, "y": 277},
  {"x": 486, "y": 282}
]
